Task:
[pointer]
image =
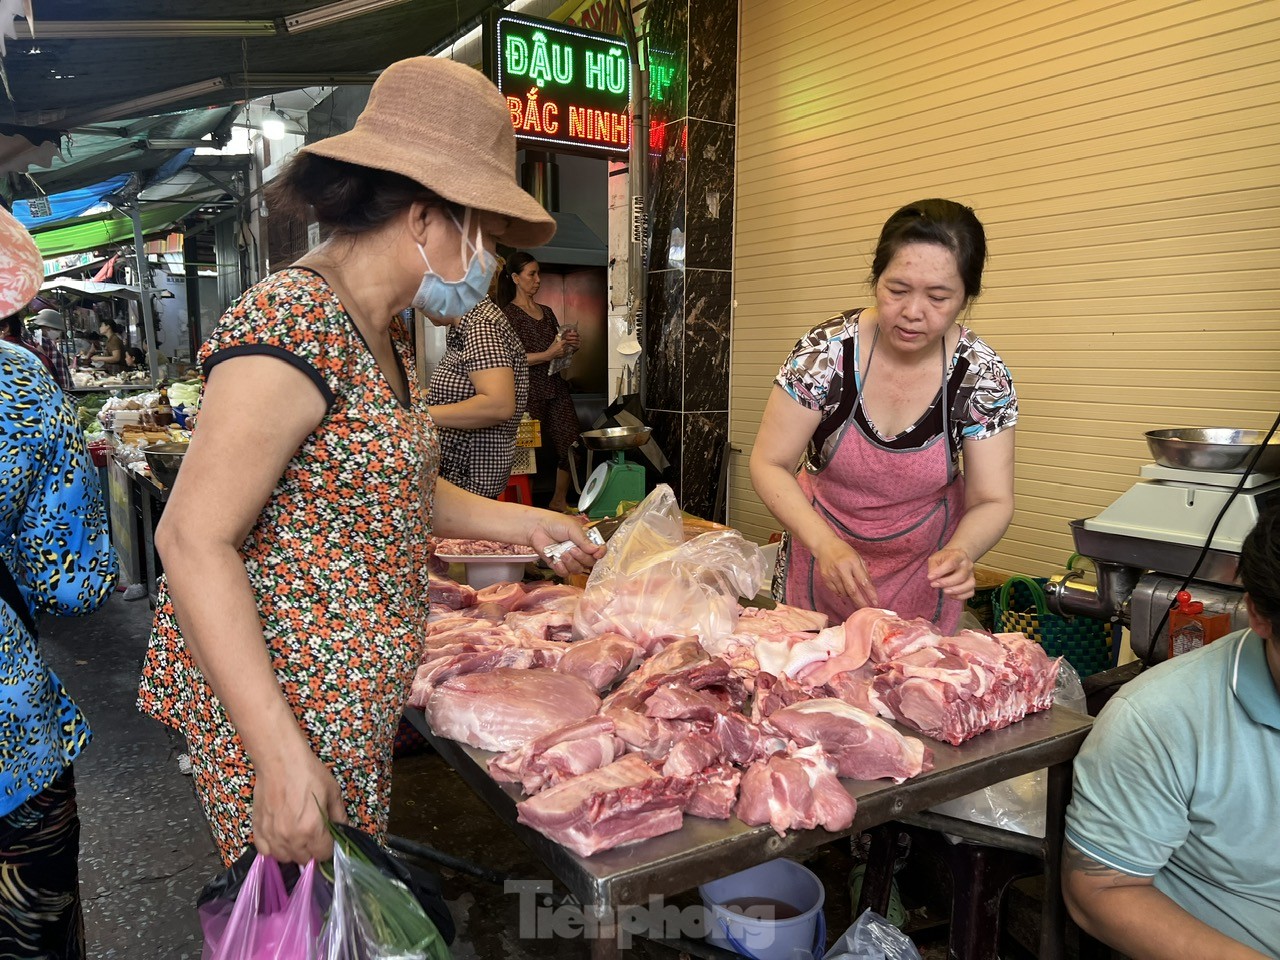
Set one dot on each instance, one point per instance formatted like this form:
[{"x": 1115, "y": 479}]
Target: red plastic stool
[{"x": 519, "y": 490}]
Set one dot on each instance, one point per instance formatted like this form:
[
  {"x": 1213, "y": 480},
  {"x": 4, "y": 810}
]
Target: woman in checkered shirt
[{"x": 477, "y": 396}]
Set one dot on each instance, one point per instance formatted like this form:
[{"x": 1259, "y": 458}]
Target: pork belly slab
[{"x": 618, "y": 804}]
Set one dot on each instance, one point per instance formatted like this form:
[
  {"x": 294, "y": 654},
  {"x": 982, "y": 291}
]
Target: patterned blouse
[
  {"x": 479, "y": 460},
  {"x": 980, "y": 393},
  {"x": 337, "y": 561},
  {"x": 53, "y": 529}
]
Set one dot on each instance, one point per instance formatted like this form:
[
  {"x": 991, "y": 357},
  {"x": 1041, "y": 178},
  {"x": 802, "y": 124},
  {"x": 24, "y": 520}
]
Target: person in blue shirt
[
  {"x": 55, "y": 557},
  {"x": 1172, "y": 835}
]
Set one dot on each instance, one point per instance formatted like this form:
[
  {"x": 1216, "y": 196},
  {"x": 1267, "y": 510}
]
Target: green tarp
[{"x": 90, "y": 233}]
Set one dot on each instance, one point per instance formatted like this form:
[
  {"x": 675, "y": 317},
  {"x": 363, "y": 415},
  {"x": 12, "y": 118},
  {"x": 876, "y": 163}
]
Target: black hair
[
  {"x": 138, "y": 354},
  {"x": 346, "y": 197},
  {"x": 12, "y": 325},
  {"x": 944, "y": 223},
  {"x": 1260, "y": 567},
  {"x": 115, "y": 327},
  {"x": 506, "y": 285}
]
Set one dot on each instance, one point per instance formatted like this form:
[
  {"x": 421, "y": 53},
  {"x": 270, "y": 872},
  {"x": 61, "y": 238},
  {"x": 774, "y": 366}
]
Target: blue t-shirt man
[{"x": 1175, "y": 791}]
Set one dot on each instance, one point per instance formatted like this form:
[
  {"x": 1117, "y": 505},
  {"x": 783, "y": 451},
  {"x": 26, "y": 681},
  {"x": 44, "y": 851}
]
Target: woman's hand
[
  {"x": 290, "y": 801},
  {"x": 570, "y": 337},
  {"x": 951, "y": 571},
  {"x": 559, "y": 348},
  {"x": 844, "y": 573},
  {"x": 548, "y": 528}
]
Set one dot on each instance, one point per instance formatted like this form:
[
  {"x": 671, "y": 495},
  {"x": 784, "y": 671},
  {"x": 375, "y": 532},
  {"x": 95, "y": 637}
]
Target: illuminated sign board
[{"x": 568, "y": 90}]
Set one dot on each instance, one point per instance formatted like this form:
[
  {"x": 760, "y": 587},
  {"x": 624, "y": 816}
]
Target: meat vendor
[{"x": 878, "y": 404}]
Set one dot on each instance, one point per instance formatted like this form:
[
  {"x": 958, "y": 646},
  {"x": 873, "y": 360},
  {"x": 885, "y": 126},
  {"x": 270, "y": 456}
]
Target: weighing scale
[
  {"x": 614, "y": 480},
  {"x": 1145, "y": 543}
]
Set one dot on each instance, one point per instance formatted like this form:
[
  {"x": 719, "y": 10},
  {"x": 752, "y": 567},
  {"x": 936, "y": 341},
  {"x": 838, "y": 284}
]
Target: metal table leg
[{"x": 1053, "y": 919}]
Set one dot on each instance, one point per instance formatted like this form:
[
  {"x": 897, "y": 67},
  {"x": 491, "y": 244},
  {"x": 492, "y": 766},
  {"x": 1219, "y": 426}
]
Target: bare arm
[
  {"x": 234, "y": 462},
  {"x": 988, "y": 508},
  {"x": 1131, "y": 915},
  {"x": 785, "y": 430},
  {"x": 494, "y": 401}
]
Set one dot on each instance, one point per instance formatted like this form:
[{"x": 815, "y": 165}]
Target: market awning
[
  {"x": 91, "y": 233},
  {"x": 69, "y": 205},
  {"x": 92, "y": 288}
]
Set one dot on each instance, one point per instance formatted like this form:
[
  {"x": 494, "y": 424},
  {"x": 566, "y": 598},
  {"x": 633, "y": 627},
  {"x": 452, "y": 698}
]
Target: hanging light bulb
[{"x": 272, "y": 124}]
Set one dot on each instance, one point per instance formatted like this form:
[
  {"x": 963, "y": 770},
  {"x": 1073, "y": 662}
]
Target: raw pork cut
[
  {"x": 962, "y": 687},
  {"x": 618, "y": 804},
  {"x": 715, "y": 792},
  {"x": 449, "y": 593},
  {"x": 556, "y": 756},
  {"x": 795, "y": 790},
  {"x": 480, "y": 660},
  {"x": 774, "y": 693},
  {"x": 505, "y": 708},
  {"x": 863, "y": 747},
  {"x": 783, "y": 618},
  {"x": 601, "y": 660}
]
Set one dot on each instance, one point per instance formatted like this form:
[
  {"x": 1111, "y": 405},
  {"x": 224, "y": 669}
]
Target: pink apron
[{"x": 895, "y": 507}]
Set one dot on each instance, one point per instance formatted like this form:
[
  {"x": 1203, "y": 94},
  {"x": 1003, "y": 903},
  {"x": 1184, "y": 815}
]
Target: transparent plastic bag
[
  {"x": 873, "y": 937},
  {"x": 1018, "y": 804},
  {"x": 375, "y": 917},
  {"x": 652, "y": 583}
]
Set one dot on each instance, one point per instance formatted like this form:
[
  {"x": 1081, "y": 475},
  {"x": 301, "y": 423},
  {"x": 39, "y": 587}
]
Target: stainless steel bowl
[
  {"x": 617, "y": 438},
  {"x": 1219, "y": 449},
  {"x": 164, "y": 459}
]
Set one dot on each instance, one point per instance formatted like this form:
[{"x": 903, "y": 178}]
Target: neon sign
[{"x": 567, "y": 89}]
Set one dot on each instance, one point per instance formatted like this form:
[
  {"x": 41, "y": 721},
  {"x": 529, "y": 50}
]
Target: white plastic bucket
[{"x": 797, "y": 938}]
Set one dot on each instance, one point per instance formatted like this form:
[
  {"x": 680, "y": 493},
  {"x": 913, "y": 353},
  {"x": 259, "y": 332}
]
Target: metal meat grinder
[{"x": 1146, "y": 542}]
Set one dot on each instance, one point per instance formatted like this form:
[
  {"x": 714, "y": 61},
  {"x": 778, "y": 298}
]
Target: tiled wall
[{"x": 693, "y": 46}]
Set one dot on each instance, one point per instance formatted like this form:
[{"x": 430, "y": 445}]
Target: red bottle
[{"x": 1190, "y": 628}]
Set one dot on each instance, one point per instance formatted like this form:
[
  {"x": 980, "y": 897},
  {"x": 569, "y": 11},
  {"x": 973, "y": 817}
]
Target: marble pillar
[{"x": 693, "y": 88}]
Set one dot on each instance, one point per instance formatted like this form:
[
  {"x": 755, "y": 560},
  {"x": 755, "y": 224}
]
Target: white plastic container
[
  {"x": 796, "y": 938},
  {"x": 485, "y": 571}
]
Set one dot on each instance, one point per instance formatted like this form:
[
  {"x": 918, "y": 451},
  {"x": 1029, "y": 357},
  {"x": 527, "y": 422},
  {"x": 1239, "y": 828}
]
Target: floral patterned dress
[{"x": 337, "y": 561}]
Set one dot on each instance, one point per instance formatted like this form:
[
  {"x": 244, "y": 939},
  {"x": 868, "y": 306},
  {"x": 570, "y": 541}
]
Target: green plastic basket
[{"x": 1020, "y": 607}]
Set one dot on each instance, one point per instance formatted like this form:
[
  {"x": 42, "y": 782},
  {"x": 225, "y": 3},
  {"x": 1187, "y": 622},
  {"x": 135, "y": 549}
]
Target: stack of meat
[{"x": 761, "y": 723}]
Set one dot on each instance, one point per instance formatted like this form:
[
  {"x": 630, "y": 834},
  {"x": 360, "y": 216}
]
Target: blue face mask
[{"x": 441, "y": 298}]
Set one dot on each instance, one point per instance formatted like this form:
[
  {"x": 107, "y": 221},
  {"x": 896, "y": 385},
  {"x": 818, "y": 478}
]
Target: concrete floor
[{"x": 146, "y": 851}]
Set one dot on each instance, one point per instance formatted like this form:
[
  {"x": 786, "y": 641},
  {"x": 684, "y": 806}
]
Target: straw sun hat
[{"x": 447, "y": 127}]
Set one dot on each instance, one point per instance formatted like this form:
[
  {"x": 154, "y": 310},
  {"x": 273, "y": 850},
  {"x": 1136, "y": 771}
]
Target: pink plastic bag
[{"x": 264, "y": 922}]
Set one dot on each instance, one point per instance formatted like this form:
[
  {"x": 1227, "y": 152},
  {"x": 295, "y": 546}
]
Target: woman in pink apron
[{"x": 879, "y": 403}]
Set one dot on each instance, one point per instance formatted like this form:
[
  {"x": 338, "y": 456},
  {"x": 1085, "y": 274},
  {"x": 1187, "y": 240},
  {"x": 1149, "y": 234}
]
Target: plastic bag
[
  {"x": 375, "y": 917},
  {"x": 1018, "y": 804},
  {"x": 873, "y": 938},
  {"x": 653, "y": 583},
  {"x": 253, "y": 917}
]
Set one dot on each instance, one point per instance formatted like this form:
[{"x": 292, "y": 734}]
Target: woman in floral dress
[{"x": 295, "y": 538}]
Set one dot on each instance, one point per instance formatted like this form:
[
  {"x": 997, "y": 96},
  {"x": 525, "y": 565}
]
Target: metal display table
[{"x": 704, "y": 850}]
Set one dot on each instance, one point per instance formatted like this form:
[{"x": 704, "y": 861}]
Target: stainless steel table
[{"x": 704, "y": 850}]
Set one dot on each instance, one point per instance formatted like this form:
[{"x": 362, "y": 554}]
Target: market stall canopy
[
  {"x": 91, "y": 288},
  {"x": 91, "y": 79},
  {"x": 108, "y": 229}
]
